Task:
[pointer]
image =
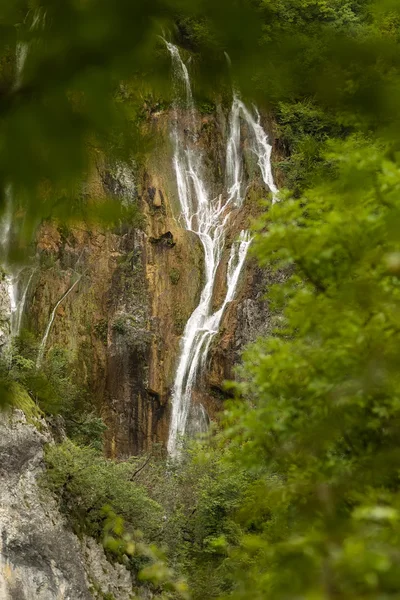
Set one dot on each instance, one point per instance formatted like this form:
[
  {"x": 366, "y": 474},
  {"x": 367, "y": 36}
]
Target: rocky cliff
[
  {"x": 117, "y": 300},
  {"x": 40, "y": 558},
  {"x": 123, "y": 321}
]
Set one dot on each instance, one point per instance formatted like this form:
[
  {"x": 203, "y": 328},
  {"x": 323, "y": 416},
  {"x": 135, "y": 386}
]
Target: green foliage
[
  {"x": 156, "y": 571},
  {"x": 101, "y": 330},
  {"x": 206, "y": 107},
  {"x": 174, "y": 276},
  {"x": 323, "y": 428},
  {"x": 200, "y": 496},
  {"x": 101, "y": 498},
  {"x": 338, "y": 14},
  {"x": 54, "y": 388},
  {"x": 86, "y": 482},
  {"x": 302, "y": 130}
]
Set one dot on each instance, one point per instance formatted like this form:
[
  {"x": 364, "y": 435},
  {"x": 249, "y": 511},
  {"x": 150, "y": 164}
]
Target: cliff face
[
  {"x": 40, "y": 559},
  {"x": 123, "y": 321}
]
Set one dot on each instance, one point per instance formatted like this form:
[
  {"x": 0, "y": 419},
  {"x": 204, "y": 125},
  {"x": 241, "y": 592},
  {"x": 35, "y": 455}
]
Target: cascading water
[
  {"x": 16, "y": 316},
  {"x": 11, "y": 276},
  {"x": 17, "y": 291},
  {"x": 13, "y": 279},
  {"x": 208, "y": 217}
]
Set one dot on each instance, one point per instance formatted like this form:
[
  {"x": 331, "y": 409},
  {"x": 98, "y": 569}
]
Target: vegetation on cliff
[{"x": 297, "y": 494}]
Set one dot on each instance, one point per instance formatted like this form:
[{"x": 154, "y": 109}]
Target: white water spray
[{"x": 208, "y": 217}]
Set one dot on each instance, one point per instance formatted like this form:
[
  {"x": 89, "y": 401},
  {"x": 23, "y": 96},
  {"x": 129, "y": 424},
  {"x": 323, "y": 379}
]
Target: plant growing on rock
[{"x": 174, "y": 276}]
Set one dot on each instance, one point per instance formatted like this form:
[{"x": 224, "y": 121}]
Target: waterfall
[
  {"x": 43, "y": 343},
  {"x": 208, "y": 217},
  {"x": 16, "y": 303},
  {"x": 20, "y": 60},
  {"x": 260, "y": 147},
  {"x": 16, "y": 316},
  {"x": 10, "y": 279},
  {"x": 37, "y": 18}
]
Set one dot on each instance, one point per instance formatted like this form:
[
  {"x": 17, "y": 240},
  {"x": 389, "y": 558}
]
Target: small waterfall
[
  {"x": 43, "y": 343},
  {"x": 20, "y": 59},
  {"x": 11, "y": 278},
  {"x": 208, "y": 217},
  {"x": 37, "y": 18},
  {"x": 260, "y": 147},
  {"x": 16, "y": 316}
]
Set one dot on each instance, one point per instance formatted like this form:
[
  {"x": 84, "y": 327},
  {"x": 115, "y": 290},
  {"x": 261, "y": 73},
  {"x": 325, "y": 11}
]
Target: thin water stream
[{"x": 43, "y": 343}]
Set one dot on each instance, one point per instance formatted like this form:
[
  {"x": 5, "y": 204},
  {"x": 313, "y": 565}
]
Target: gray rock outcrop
[{"x": 40, "y": 558}]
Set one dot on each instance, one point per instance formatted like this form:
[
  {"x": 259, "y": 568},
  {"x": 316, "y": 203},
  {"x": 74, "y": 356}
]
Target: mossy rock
[
  {"x": 174, "y": 276},
  {"x": 22, "y": 400}
]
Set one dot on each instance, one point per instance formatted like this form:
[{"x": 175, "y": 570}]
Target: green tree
[{"x": 324, "y": 421}]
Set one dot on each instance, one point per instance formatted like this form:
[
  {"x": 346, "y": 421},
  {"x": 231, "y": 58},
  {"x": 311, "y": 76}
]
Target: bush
[
  {"x": 200, "y": 496},
  {"x": 303, "y": 129},
  {"x": 54, "y": 390},
  {"x": 86, "y": 483}
]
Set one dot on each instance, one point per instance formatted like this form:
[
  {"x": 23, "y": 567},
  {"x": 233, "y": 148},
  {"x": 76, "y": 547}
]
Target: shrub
[
  {"x": 54, "y": 390},
  {"x": 86, "y": 483},
  {"x": 101, "y": 330}
]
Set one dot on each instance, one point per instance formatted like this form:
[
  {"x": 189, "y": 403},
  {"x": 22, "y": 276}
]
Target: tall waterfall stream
[
  {"x": 208, "y": 217},
  {"x": 18, "y": 279}
]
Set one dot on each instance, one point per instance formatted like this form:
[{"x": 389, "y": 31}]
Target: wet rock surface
[{"x": 123, "y": 323}]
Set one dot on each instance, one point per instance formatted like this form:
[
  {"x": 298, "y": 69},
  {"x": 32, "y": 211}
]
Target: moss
[
  {"x": 23, "y": 401},
  {"x": 120, "y": 325},
  {"x": 174, "y": 276},
  {"x": 101, "y": 330},
  {"x": 95, "y": 589},
  {"x": 65, "y": 232},
  {"x": 179, "y": 321},
  {"x": 47, "y": 260}
]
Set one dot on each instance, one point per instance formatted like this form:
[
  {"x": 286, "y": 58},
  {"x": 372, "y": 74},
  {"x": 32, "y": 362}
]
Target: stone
[
  {"x": 40, "y": 558},
  {"x": 112, "y": 579},
  {"x": 157, "y": 200},
  {"x": 166, "y": 239}
]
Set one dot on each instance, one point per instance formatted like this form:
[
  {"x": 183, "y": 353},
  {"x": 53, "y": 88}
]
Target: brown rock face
[{"x": 123, "y": 322}]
